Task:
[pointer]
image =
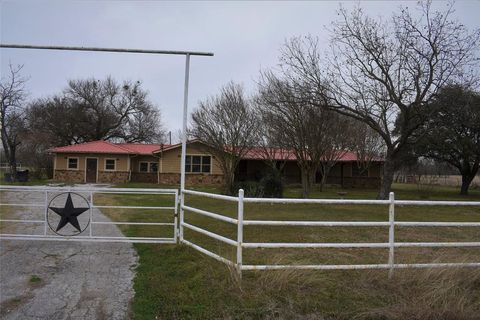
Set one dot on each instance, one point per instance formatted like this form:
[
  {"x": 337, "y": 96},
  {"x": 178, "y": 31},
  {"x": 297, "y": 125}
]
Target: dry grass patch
[{"x": 429, "y": 294}]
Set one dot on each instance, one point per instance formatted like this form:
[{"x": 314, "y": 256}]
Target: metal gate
[{"x": 86, "y": 214}]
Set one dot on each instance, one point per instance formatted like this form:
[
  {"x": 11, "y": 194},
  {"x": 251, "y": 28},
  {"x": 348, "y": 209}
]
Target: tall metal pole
[
  {"x": 240, "y": 233},
  {"x": 184, "y": 143},
  {"x": 391, "y": 234}
]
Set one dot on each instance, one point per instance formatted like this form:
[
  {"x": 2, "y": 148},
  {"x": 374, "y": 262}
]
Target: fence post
[
  {"x": 180, "y": 223},
  {"x": 91, "y": 214},
  {"x": 46, "y": 213},
  {"x": 240, "y": 232},
  {"x": 391, "y": 234},
  {"x": 175, "y": 218}
]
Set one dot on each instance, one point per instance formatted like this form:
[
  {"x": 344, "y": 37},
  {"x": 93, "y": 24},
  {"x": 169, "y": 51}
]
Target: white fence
[
  {"x": 390, "y": 224},
  {"x": 240, "y": 223},
  {"x": 89, "y": 195}
]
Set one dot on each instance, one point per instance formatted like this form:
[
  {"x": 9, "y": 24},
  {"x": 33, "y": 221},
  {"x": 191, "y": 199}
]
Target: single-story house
[{"x": 107, "y": 162}]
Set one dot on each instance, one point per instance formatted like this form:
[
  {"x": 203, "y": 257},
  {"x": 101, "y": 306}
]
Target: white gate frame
[
  {"x": 187, "y": 55},
  {"x": 90, "y": 192},
  {"x": 391, "y": 224}
]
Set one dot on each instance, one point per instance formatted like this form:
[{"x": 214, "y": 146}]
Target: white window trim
[
  {"x": 68, "y": 163},
  {"x": 114, "y": 166},
  {"x": 201, "y": 165},
  {"x": 140, "y": 166}
]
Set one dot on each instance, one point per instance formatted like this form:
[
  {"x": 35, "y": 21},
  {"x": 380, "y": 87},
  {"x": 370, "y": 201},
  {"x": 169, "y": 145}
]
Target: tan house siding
[
  {"x": 62, "y": 173},
  {"x": 121, "y": 163},
  {"x": 170, "y": 159}
]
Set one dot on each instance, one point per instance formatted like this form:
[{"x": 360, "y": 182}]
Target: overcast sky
[{"x": 244, "y": 36}]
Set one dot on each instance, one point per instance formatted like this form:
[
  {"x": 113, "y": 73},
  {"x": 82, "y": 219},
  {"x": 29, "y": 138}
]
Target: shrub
[
  {"x": 251, "y": 189},
  {"x": 272, "y": 185}
]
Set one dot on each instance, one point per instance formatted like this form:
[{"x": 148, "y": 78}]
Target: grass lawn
[{"x": 177, "y": 282}]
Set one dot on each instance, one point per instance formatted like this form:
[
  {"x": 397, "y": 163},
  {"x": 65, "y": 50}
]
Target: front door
[{"x": 91, "y": 175}]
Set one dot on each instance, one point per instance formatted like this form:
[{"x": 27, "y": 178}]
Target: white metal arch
[{"x": 187, "y": 55}]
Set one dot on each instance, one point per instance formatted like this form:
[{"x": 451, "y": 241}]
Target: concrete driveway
[{"x": 62, "y": 280}]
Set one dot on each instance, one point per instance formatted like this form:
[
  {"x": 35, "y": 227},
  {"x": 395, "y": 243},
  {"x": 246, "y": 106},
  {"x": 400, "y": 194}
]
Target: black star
[{"x": 69, "y": 214}]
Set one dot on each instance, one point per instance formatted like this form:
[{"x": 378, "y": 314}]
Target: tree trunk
[
  {"x": 468, "y": 173},
  {"x": 325, "y": 171},
  {"x": 13, "y": 162},
  {"x": 387, "y": 178},
  {"x": 229, "y": 183},
  {"x": 306, "y": 186},
  {"x": 466, "y": 181}
]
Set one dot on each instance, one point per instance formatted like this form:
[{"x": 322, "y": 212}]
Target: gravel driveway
[{"x": 63, "y": 280}]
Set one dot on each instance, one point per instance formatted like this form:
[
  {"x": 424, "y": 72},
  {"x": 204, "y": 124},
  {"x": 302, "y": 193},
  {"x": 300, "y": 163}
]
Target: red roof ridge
[
  {"x": 83, "y": 144},
  {"x": 176, "y": 145},
  {"x": 119, "y": 146},
  {"x": 137, "y": 143},
  {"x": 116, "y": 145}
]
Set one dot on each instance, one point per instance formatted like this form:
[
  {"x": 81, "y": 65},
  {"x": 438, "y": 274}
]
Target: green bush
[
  {"x": 252, "y": 189},
  {"x": 270, "y": 186}
]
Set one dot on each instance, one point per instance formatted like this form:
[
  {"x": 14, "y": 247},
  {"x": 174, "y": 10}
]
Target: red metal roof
[
  {"x": 271, "y": 153},
  {"x": 289, "y": 155},
  {"x": 255, "y": 153},
  {"x": 99, "y": 146},
  {"x": 102, "y": 146},
  {"x": 167, "y": 147},
  {"x": 142, "y": 148}
]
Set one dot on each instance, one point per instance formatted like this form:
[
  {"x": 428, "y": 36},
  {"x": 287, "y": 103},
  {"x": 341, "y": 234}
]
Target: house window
[
  {"x": 198, "y": 164},
  {"x": 148, "y": 166},
  {"x": 73, "y": 163},
  {"x": 143, "y": 166},
  {"x": 109, "y": 164}
]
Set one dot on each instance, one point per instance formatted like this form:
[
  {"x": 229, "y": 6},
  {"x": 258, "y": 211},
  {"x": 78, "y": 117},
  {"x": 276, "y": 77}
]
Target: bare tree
[
  {"x": 367, "y": 145},
  {"x": 57, "y": 119},
  {"x": 384, "y": 73},
  {"x": 227, "y": 124},
  {"x": 317, "y": 137},
  {"x": 98, "y": 110},
  {"x": 271, "y": 147},
  {"x": 144, "y": 125},
  {"x": 337, "y": 141},
  {"x": 12, "y": 117}
]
